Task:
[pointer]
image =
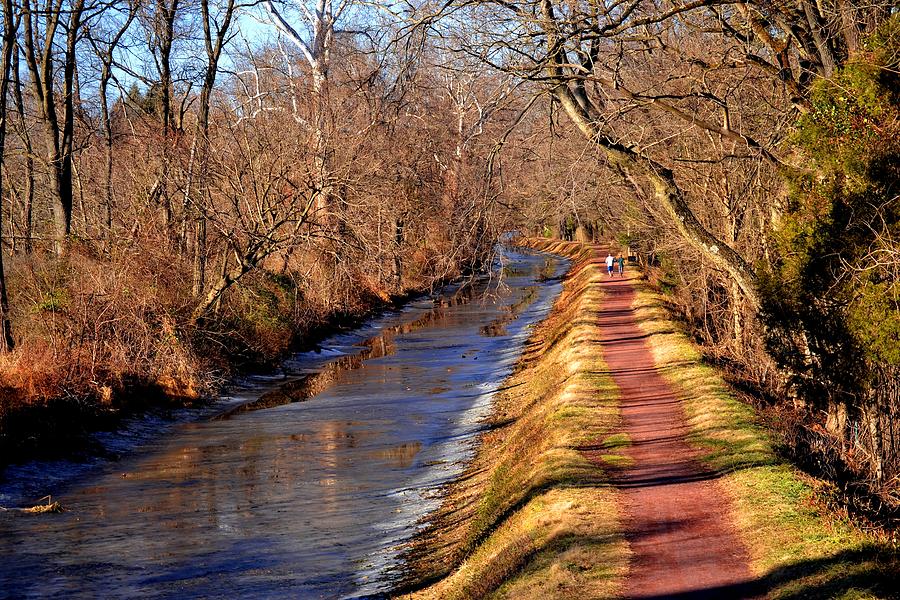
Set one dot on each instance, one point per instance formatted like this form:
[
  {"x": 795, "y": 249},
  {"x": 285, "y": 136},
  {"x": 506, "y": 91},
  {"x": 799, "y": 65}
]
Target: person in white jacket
[{"x": 609, "y": 264}]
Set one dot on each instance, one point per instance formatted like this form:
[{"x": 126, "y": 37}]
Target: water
[{"x": 305, "y": 484}]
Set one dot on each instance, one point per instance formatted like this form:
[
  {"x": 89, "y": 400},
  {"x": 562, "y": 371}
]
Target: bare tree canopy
[{"x": 188, "y": 185}]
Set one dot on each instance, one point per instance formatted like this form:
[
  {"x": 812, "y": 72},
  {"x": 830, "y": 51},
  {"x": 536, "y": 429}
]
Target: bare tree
[
  {"x": 41, "y": 24},
  {"x": 259, "y": 202},
  {"x": 159, "y": 20},
  {"x": 163, "y": 18},
  {"x": 105, "y": 44},
  {"x": 28, "y": 149},
  {"x": 10, "y": 26},
  {"x": 315, "y": 39},
  {"x": 216, "y": 33}
]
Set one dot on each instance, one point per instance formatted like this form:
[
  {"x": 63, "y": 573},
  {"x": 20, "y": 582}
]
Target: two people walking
[{"x": 615, "y": 262}]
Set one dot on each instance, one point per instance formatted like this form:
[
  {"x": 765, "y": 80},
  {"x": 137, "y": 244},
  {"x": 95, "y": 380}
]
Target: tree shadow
[{"x": 859, "y": 573}]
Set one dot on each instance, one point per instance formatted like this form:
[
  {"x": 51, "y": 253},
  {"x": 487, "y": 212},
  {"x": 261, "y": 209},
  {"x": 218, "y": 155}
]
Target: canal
[{"x": 305, "y": 484}]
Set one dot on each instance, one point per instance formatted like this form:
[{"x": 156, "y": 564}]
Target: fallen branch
[{"x": 38, "y": 509}]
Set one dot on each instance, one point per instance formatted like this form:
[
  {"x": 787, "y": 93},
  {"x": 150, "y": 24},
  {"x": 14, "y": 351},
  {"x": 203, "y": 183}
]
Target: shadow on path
[
  {"x": 675, "y": 516},
  {"x": 864, "y": 573}
]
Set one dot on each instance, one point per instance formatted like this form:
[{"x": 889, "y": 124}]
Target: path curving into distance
[{"x": 675, "y": 515}]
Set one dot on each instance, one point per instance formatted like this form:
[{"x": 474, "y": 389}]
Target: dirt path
[{"x": 675, "y": 516}]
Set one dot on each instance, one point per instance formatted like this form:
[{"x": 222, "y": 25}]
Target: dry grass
[
  {"x": 108, "y": 331},
  {"x": 797, "y": 550},
  {"x": 534, "y": 516},
  {"x": 561, "y": 544}
]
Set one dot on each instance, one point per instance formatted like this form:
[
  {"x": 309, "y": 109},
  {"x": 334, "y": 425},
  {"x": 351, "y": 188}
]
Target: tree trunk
[
  {"x": 108, "y": 139},
  {"x": 837, "y": 421},
  {"x": 873, "y": 421},
  {"x": 737, "y": 318},
  {"x": 28, "y": 196},
  {"x": 66, "y": 143},
  {"x": 61, "y": 203},
  {"x": 40, "y": 58},
  {"x": 214, "y": 43},
  {"x": 199, "y": 269},
  {"x": 226, "y": 281},
  {"x": 223, "y": 272},
  {"x": 849, "y": 27},
  {"x": 76, "y": 181},
  {"x": 324, "y": 208},
  {"x": 9, "y": 39},
  {"x": 166, "y": 11},
  {"x": 398, "y": 253},
  {"x": 316, "y": 50},
  {"x": 821, "y": 42}
]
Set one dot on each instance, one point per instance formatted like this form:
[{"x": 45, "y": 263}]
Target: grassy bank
[
  {"x": 798, "y": 549},
  {"x": 534, "y": 516}
]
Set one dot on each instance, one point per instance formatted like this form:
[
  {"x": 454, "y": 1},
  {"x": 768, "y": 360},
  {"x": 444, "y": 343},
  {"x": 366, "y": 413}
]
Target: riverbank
[
  {"x": 100, "y": 345},
  {"x": 60, "y": 425},
  {"x": 539, "y": 512}
]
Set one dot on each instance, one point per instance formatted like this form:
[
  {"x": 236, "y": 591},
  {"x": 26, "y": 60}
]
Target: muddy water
[{"x": 303, "y": 485}]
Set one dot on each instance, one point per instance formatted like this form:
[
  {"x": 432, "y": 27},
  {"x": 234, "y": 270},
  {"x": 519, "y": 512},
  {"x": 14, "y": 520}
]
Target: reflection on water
[
  {"x": 307, "y": 386},
  {"x": 282, "y": 498},
  {"x": 401, "y": 455}
]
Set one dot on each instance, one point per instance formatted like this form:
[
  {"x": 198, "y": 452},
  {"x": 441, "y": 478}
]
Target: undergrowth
[{"x": 101, "y": 335}]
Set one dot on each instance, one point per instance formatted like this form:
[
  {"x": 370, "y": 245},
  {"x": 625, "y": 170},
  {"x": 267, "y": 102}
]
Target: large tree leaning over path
[
  {"x": 560, "y": 46},
  {"x": 535, "y": 38},
  {"x": 566, "y": 88}
]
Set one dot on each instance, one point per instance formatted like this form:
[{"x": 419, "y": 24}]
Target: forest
[{"x": 191, "y": 188}]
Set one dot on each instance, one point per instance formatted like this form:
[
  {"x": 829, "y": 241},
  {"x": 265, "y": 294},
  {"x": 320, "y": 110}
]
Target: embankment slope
[
  {"x": 539, "y": 513},
  {"x": 534, "y": 515}
]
